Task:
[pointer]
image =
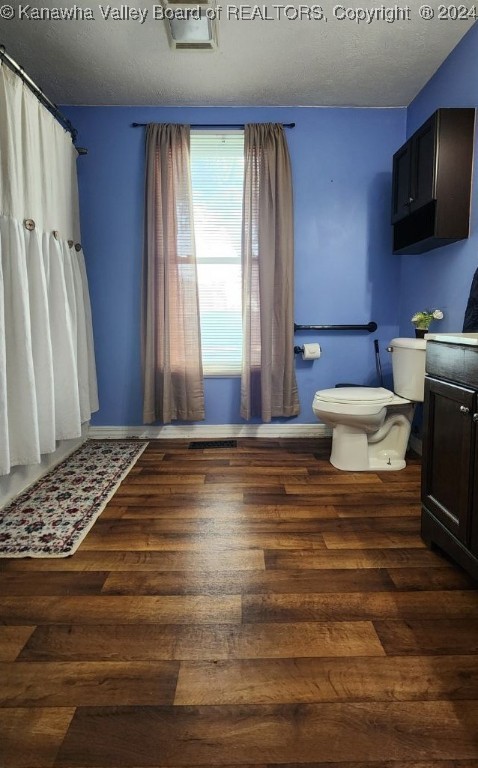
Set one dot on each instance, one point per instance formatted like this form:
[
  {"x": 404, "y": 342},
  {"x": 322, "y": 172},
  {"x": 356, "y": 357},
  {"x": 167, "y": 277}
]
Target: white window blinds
[{"x": 217, "y": 171}]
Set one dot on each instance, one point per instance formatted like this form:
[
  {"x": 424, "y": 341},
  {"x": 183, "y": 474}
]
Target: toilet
[{"x": 371, "y": 425}]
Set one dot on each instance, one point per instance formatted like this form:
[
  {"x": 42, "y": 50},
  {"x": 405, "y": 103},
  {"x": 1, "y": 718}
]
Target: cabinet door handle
[
  {"x": 465, "y": 410},
  {"x": 475, "y": 417},
  {"x": 411, "y": 200}
]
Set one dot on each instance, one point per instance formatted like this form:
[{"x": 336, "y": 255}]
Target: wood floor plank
[
  {"x": 246, "y": 582},
  {"x": 30, "y": 738},
  {"x": 113, "y": 511},
  {"x": 12, "y": 640},
  {"x": 386, "y": 509},
  {"x": 159, "y": 478},
  {"x": 360, "y": 532},
  {"x": 230, "y": 559},
  {"x": 104, "y": 540},
  {"x": 107, "y": 609},
  {"x": 244, "y": 480},
  {"x": 156, "y": 736},
  {"x": 274, "y": 459},
  {"x": 360, "y": 606},
  {"x": 77, "y": 684},
  {"x": 207, "y": 490},
  {"x": 194, "y": 510},
  {"x": 372, "y": 540},
  {"x": 210, "y": 527},
  {"x": 177, "y": 495},
  {"x": 403, "y": 493},
  {"x": 207, "y": 642},
  {"x": 59, "y": 583},
  {"x": 433, "y": 637},
  {"x": 431, "y": 578},
  {"x": 329, "y": 496},
  {"x": 255, "y": 471},
  {"x": 364, "y": 480},
  {"x": 352, "y": 558},
  {"x": 284, "y": 681}
]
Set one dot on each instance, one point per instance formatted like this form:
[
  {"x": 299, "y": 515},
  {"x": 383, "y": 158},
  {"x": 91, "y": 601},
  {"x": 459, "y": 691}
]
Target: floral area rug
[{"x": 52, "y": 518}]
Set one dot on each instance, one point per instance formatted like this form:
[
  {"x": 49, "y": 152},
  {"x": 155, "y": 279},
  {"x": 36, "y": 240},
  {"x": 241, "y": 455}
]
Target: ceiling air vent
[{"x": 191, "y": 25}]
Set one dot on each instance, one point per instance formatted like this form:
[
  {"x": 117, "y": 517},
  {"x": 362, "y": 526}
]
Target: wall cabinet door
[
  {"x": 447, "y": 455},
  {"x": 414, "y": 172},
  {"x": 402, "y": 171},
  {"x": 422, "y": 188}
]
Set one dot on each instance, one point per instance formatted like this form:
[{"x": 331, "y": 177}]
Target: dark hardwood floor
[{"x": 249, "y": 607}]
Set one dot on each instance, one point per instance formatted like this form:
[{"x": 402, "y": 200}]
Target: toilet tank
[{"x": 408, "y": 366}]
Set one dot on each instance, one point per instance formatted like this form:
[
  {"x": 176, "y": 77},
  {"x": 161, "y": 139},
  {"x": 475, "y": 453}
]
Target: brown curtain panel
[
  {"x": 268, "y": 385},
  {"x": 172, "y": 366}
]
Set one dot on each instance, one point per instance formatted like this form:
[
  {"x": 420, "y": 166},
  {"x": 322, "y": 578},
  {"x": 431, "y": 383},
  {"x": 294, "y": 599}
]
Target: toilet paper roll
[{"x": 311, "y": 352}]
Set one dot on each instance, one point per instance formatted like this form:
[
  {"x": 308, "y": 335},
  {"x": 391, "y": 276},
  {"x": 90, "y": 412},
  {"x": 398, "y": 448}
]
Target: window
[{"x": 217, "y": 172}]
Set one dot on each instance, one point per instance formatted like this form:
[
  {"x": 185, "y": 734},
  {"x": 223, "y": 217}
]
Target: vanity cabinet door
[
  {"x": 474, "y": 498},
  {"x": 447, "y": 455}
]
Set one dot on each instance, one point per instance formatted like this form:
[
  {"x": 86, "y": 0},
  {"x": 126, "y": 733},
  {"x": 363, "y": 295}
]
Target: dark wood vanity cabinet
[
  {"x": 431, "y": 184},
  {"x": 450, "y": 452}
]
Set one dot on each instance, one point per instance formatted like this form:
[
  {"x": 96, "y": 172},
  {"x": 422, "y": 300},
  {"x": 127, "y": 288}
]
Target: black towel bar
[{"x": 370, "y": 327}]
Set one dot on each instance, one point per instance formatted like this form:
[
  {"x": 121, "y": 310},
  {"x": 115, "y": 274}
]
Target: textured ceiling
[{"x": 258, "y": 62}]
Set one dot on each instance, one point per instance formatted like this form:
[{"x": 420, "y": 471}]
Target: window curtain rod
[
  {"x": 214, "y": 126},
  {"x": 37, "y": 91}
]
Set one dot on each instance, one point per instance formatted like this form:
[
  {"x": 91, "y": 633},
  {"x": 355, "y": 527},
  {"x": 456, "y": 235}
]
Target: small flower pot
[{"x": 420, "y": 332}]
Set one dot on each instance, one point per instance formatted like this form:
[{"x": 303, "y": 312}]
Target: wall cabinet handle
[
  {"x": 411, "y": 200},
  {"x": 464, "y": 409}
]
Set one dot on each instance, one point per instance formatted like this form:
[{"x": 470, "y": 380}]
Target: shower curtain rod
[
  {"x": 37, "y": 91},
  {"x": 219, "y": 126}
]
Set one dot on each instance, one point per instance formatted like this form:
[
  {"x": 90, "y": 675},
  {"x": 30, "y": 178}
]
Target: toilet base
[
  {"x": 355, "y": 451},
  {"x": 349, "y": 449},
  {"x": 390, "y": 464}
]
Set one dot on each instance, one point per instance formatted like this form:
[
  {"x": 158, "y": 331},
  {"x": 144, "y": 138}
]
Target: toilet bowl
[{"x": 371, "y": 425}]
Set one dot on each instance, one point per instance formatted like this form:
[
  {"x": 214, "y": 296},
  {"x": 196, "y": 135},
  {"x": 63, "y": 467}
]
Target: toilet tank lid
[
  {"x": 355, "y": 395},
  {"x": 410, "y": 343}
]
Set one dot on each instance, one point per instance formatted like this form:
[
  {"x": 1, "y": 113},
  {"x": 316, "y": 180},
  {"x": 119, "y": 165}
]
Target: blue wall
[
  {"x": 442, "y": 278},
  {"x": 345, "y": 271}
]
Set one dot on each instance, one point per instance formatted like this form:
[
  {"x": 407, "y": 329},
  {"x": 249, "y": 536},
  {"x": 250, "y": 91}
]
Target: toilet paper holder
[{"x": 309, "y": 351}]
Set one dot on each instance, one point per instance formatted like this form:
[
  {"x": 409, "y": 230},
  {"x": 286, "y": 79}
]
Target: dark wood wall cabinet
[
  {"x": 450, "y": 452},
  {"x": 431, "y": 186}
]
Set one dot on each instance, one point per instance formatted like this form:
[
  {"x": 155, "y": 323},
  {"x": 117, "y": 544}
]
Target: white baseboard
[
  {"x": 23, "y": 476},
  {"x": 210, "y": 432}
]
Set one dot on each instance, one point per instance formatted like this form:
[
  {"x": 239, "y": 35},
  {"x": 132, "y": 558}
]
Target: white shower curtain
[{"x": 47, "y": 368}]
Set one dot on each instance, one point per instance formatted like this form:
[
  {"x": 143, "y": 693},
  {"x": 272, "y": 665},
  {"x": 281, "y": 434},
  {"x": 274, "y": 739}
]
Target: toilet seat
[
  {"x": 356, "y": 395},
  {"x": 356, "y": 401}
]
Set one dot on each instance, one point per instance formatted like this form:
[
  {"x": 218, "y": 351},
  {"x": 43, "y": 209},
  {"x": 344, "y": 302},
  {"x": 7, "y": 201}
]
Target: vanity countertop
[{"x": 470, "y": 339}]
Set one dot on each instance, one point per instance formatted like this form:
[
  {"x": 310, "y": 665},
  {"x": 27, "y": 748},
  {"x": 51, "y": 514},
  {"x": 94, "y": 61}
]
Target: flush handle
[{"x": 465, "y": 410}]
